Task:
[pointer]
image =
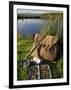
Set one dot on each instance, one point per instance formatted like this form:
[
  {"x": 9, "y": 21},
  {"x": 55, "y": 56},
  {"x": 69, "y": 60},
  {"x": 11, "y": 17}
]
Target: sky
[{"x": 35, "y": 11}]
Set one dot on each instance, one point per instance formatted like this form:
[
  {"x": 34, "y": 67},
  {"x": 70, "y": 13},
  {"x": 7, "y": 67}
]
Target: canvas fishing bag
[{"x": 47, "y": 49}]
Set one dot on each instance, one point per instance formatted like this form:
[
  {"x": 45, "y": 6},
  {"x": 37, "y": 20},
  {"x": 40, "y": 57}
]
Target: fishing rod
[
  {"x": 26, "y": 62},
  {"x": 35, "y": 47}
]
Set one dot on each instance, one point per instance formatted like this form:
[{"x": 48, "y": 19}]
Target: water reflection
[{"x": 30, "y": 26}]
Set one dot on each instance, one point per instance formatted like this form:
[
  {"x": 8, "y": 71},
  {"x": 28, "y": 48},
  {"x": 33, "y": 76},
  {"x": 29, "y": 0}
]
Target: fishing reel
[{"x": 25, "y": 63}]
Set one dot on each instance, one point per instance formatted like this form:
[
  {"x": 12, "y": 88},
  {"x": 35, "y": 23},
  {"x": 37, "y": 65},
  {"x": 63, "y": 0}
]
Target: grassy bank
[{"x": 23, "y": 47}]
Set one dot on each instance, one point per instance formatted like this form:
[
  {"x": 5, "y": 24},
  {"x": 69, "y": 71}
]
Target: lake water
[
  {"x": 30, "y": 26},
  {"x": 27, "y": 27}
]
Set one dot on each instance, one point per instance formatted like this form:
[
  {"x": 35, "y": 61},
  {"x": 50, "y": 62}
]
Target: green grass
[
  {"x": 23, "y": 47},
  {"x": 57, "y": 69}
]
